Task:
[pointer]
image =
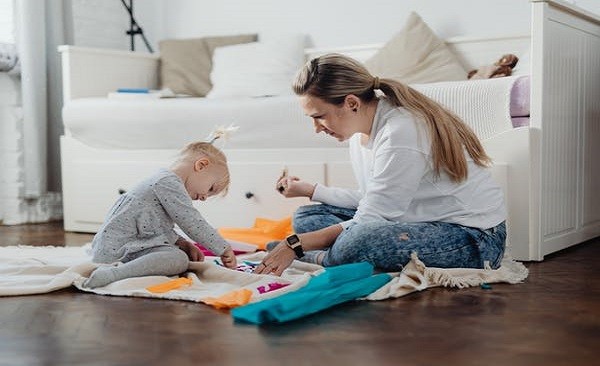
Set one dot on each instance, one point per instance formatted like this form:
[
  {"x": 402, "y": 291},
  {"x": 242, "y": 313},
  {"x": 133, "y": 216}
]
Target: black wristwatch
[{"x": 293, "y": 241}]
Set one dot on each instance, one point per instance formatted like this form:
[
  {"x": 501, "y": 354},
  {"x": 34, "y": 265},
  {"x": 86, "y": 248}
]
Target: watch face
[{"x": 293, "y": 239}]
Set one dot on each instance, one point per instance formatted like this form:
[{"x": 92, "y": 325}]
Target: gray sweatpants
[{"x": 166, "y": 260}]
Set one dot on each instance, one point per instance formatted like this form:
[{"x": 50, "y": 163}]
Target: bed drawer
[
  {"x": 252, "y": 194},
  {"x": 97, "y": 185}
]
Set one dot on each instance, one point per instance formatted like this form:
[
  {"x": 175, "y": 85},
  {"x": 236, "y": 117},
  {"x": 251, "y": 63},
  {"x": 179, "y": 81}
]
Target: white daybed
[{"x": 548, "y": 169}]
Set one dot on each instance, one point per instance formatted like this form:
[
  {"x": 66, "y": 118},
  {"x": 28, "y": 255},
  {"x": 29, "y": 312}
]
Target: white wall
[
  {"x": 329, "y": 23},
  {"x": 343, "y": 22},
  {"x": 7, "y": 34},
  {"x": 149, "y": 15},
  {"x": 99, "y": 23},
  {"x": 102, "y": 23}
]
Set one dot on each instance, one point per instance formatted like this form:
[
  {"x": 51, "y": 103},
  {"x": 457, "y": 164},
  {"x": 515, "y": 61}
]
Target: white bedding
[
  {"x": 266, "y": 122},
  {"x": 169, "y": 123},
  {"x": 482, "y": 104}
]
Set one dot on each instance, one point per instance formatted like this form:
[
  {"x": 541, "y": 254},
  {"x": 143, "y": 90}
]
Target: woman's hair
[
  {"x": 332, "y": 77},
  {"x": 196, "y": 150}
]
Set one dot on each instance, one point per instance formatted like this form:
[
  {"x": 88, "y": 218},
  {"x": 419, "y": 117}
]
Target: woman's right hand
[
  {"x": 276, "y": 261},
  {"x": 291, "y": 186}
]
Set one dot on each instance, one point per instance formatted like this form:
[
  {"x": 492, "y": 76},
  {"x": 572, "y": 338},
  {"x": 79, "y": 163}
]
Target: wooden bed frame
[{"x": 548, "y": 170}]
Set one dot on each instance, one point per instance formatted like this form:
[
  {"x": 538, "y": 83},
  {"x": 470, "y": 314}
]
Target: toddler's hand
[
  {"x": 193, "y": 252},
  {"x": 228, "y": 259}
]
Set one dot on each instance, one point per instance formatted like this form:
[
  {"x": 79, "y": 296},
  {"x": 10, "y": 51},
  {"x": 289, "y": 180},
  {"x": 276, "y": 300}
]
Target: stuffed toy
[{"x": 500, "y": 68}]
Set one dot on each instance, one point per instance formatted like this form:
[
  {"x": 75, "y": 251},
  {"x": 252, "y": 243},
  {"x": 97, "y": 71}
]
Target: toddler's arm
[{"x": 178, "y": 204}]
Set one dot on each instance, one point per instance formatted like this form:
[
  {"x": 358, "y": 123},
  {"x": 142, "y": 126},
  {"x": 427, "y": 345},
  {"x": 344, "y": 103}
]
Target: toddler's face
[{"x": 206, "y": 181}]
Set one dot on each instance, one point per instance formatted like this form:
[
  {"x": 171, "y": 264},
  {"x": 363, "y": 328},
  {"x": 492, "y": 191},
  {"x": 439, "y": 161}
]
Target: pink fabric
[
  {"x": 519, "y": 97},
  {"x": 520, "y": 121},
  {"x": 209, "y": 253},
  {"x": 270, "y": 287}
]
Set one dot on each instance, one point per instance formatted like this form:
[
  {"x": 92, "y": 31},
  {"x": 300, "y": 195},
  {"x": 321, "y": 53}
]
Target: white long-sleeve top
[{"x": 397, "y": 182}]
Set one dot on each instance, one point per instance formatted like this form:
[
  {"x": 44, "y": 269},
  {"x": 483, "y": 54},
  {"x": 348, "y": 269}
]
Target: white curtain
[
  {"x": 27, "y": 198},
  {"x": 31, "y": 43}
]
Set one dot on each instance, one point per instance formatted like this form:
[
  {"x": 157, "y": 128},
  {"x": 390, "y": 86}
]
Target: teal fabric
[{"x": 336, "y": 285}]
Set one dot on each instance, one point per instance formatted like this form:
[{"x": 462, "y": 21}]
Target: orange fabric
[
  {"x": 170, "y": 285},
  {"x": 229, "y": 300},
  {"x": 263, "y": 231}
]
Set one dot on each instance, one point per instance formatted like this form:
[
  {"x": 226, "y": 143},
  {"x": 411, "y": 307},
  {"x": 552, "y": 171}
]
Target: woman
[{"x": 421, "y": 171}]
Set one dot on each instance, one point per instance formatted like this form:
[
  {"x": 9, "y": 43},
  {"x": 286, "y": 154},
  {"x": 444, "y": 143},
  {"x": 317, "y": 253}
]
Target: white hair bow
[{"x": 222, "y": 132}]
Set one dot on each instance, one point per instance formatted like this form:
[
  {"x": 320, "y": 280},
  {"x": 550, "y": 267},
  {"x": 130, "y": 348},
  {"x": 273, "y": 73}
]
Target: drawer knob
[
  {"x": 249, "y": 195},
  {"x": 121, "y": 191}
]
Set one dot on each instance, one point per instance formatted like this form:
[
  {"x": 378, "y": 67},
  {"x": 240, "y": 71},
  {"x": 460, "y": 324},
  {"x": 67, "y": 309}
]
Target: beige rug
[{"x": 28, "y": 270}]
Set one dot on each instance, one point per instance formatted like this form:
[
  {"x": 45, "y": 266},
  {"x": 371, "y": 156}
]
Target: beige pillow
[
  {"x": 416, "y": 55},
  {"x": 185, "y": 64}
]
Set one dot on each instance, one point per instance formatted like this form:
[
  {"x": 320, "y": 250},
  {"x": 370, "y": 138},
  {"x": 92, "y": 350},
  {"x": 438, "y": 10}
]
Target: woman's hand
[
  {"x": 193, "y": 252},
  {"x": 277, "y": 260},
  {"x": 291, "y": 186},
  {"x": 228, "y": 259}
]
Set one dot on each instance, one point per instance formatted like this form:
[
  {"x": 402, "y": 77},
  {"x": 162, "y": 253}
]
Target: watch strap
[{"x": 293, "y": 242}]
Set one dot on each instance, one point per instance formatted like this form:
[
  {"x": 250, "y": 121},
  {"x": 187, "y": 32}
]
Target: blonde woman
[{"x": 424, "y": 186}]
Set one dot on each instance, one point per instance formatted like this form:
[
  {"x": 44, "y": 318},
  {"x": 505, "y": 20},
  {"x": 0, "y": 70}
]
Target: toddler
[{"x": 139, "y": 228}]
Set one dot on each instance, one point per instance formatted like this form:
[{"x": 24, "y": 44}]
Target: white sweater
[{"x": 397, "y": 183}]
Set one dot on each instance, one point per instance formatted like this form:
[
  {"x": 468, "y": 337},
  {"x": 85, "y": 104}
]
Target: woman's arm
[
  {"x": 282, "y": 256},
  {"x": 336, "y": 196},
  {"x": 320, "y": 239},
  {"x": 295, "y": 187}
]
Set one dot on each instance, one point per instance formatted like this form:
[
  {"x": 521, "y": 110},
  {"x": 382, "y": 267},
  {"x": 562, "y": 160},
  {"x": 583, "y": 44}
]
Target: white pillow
[{"x": 263, "y": 68}]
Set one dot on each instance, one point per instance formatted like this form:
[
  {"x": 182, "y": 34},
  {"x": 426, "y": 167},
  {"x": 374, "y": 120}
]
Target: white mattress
[
  {"x": 169, "y": 123},
  {"x": 265, "y": 122}
]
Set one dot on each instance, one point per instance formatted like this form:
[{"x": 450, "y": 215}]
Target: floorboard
[{"x": 551, "y": 319}]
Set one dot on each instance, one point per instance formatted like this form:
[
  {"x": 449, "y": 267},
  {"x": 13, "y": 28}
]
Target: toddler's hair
[{"x": 195, "y": 150}]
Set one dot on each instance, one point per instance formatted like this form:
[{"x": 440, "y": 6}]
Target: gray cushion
[{"x": 185, "y": 64}]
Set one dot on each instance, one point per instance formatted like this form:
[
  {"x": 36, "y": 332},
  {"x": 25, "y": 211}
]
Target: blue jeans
[{"x": 388, "y": 245}]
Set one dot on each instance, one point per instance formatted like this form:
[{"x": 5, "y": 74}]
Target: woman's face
[{"x": 336, "y": 121}]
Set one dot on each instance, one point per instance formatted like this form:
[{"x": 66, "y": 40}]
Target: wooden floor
[{"x": 551, "y": 319}]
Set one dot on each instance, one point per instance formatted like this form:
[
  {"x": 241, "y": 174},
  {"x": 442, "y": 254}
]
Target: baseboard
[{"x": 17, "y": 211}]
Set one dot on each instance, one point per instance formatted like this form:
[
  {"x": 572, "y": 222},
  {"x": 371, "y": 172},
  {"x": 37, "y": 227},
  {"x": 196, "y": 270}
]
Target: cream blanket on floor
[{"x": 26, "y": 270}]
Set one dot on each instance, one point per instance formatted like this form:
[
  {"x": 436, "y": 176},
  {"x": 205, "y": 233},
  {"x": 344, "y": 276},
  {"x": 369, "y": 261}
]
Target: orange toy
[
  {"x": 229, "y": 300},
  {"x": 263, "y": 231},
  {"x": 170, "y": 285}
]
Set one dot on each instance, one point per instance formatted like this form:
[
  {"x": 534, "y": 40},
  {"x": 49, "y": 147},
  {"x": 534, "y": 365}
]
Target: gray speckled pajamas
[{"x": 138, "y": 231}]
